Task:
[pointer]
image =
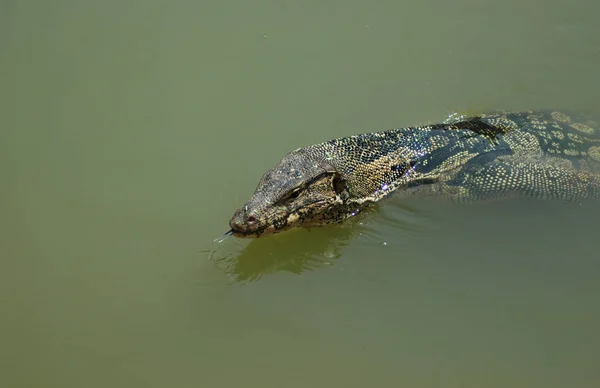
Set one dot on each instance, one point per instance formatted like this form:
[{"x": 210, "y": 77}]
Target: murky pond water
[{"x": 132, "y": 131}]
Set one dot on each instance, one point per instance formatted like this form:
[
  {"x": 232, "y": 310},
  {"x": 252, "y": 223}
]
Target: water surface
[{"x": 132, "y": 131}]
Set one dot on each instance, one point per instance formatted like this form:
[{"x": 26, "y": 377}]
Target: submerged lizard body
[{"x": 541, "y": 154}]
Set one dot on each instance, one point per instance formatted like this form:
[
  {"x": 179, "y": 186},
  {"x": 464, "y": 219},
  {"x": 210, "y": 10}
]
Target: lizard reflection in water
[{"x": 539, "y": 154}]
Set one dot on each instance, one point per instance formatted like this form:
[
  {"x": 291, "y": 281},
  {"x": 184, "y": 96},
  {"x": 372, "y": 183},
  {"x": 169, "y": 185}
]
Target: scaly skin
[{"x": 540, "y": 154}]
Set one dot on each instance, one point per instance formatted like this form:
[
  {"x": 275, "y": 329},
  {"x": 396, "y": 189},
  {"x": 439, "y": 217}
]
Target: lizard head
[
  {"x": 303, "y": 189},
  {"x": 327, "y": 183}
]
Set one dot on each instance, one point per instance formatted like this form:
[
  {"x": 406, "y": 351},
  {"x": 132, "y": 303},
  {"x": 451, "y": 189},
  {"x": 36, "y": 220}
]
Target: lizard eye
[
  {"x": 286, "y": 198},
  {"x": 294, "y": 194}
]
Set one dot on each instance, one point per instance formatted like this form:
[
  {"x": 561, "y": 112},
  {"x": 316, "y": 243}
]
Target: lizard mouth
[
  {"x": 248, "y": 225},
  {"x": 238, "y": 234},
  {"x": 249, "y": 230},
  {"x": 244, "y": 234}
]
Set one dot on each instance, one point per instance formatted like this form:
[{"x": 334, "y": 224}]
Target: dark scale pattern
[{"x": 542, "y": 154}]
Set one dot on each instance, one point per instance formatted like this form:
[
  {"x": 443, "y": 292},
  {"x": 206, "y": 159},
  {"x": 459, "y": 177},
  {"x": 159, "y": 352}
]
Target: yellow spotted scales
[{"x": 539, "y": 154}]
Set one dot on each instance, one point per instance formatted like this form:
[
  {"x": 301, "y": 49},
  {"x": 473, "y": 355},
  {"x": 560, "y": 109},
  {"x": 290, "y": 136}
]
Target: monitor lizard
[{"x": 540, "y": 154}]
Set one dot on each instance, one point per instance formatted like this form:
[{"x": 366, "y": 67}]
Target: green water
[{"x": 130, "y": 132}]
